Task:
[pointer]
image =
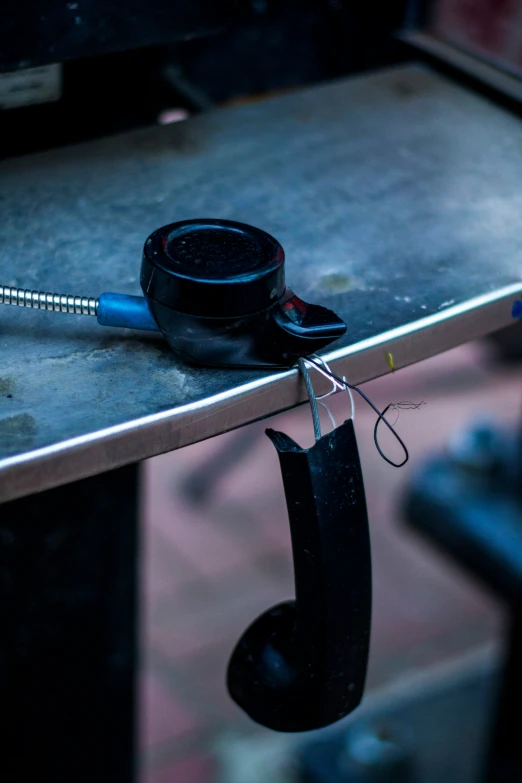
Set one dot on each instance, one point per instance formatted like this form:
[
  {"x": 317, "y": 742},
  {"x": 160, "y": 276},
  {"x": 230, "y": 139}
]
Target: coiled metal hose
[{"x": 40, "y": 300}]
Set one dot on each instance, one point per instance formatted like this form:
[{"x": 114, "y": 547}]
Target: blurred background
[{"x": 215, "y": 536}]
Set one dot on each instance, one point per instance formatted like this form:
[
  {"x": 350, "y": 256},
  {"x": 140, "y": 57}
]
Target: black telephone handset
[{"x": 302, "y": 664}]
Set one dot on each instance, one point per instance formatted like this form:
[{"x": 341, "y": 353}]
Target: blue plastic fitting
[{"x": 129, "y": 312}]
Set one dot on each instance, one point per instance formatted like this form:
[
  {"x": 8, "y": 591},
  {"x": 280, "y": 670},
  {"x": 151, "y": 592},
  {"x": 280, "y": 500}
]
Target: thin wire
[
  {"x": 335, "y": 386},
  {"x": 393, "y": 406},
  {"x": 311, "y": 396},
  {"x": 329, "y": 412},
  {"x": 380, "y": 416},
  {"x": 352, "y": 401},
  {"x": 405, "y": 405},
  {"x": 327, "y": 374},
  {"x": 327, "y": 394},
  {"x": 315, "y": 400},
  {"x": 397, "y": 414}
]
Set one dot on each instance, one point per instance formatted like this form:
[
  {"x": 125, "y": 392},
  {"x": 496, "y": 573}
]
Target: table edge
[{"x": 157, "y": 433}]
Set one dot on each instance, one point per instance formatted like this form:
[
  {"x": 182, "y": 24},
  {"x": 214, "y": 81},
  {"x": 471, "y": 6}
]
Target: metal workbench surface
[{"x": 397, "y": 197}]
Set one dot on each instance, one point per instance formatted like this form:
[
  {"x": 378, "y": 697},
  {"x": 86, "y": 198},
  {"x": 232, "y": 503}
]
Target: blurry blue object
[
  {"x": 361, "y": 754},
  {"x": 516, "y": 312},
  {"x": 469, "y": 503}
]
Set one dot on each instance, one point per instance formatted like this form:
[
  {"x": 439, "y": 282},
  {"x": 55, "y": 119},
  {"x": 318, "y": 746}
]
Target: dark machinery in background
[
  {"x": 468, "y": 503},
  {"x": 118, "y": 65}
]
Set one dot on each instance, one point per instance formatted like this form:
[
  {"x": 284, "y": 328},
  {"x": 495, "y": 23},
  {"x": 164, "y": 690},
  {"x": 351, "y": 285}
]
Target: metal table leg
[{"x": 68, "y": 590}]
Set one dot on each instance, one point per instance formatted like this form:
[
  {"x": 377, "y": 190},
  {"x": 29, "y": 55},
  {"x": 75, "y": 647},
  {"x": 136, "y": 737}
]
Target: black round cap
[{"x": 213, "y": 268}]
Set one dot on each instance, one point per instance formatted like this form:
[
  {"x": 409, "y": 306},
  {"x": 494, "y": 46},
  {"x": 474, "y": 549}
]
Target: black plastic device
[
  {"x": 302, "y": 664},
  {"x": 216, "y": 290}
]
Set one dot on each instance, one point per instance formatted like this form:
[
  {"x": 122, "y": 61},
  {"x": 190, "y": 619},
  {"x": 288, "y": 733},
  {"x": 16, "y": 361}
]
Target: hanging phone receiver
[{"x": 302, "y": 664}]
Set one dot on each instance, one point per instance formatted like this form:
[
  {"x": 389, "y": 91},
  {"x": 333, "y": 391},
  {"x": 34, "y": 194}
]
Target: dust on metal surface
[{"x": 395, "y": 195}]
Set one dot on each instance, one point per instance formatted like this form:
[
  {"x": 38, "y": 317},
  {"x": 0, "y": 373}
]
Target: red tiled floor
[
  {"x": 163, "y": 716},
  {"x": 207, "y": 548},
  {"x": 199, "y": 769},
  {"x": 207, "y": 674},
  {"x": 164, "y": 570},
  {"x": 208, "y": 613}
]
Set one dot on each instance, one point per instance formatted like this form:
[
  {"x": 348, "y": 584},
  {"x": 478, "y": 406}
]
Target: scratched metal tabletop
[{"x": 397, "y": 197}]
